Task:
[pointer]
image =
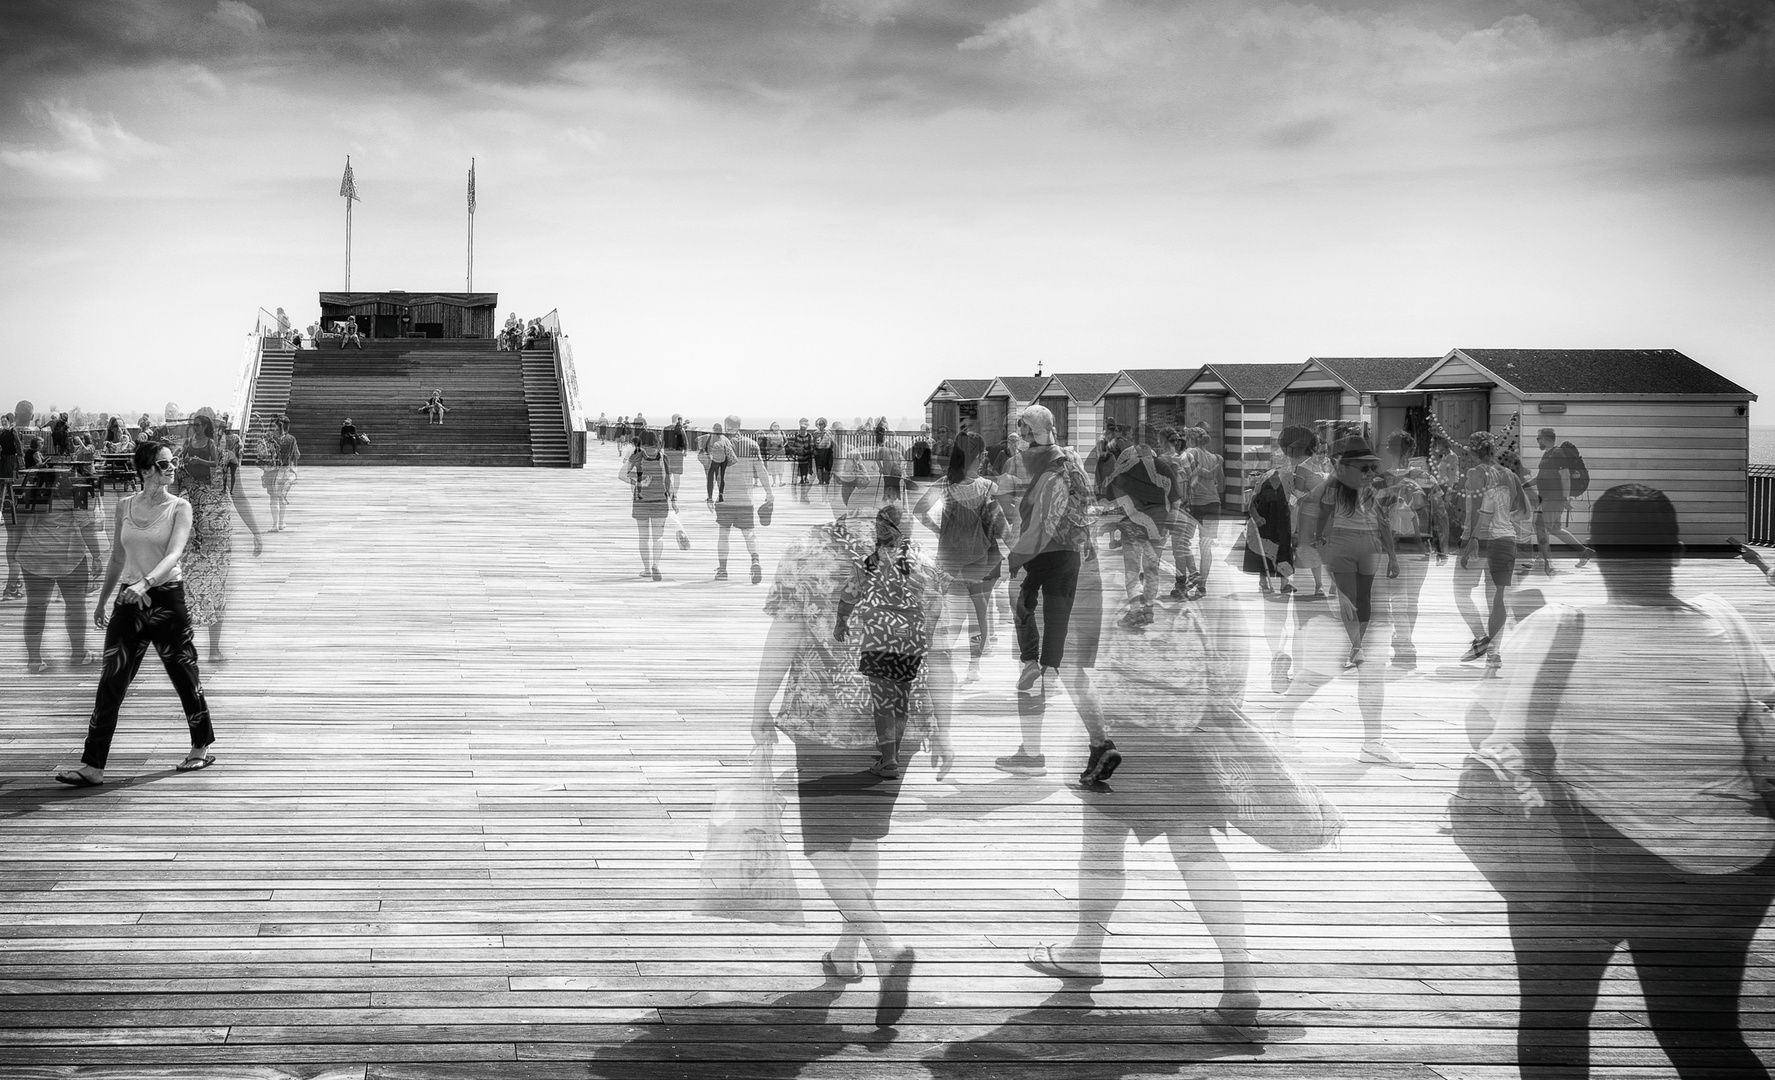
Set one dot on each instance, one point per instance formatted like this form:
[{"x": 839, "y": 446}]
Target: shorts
[
  {"x": 1165, "y": 788},
  {"x": 649, "y": 511},
  {"x": 1351, "y": 551},
  {"x": 838, "y": 800},
  {"x": 1552, "y": 514},
  {"x": 1204, "y": 511},
  {"x": 738, "y": 515},
  {"x": 1500, "y": 558}
]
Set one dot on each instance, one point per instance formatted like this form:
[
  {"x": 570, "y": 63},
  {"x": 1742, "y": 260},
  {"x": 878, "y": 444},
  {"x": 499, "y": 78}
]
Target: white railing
[
  {"x": 567, "y": 375},
  {"x": 266, "y": 332}
]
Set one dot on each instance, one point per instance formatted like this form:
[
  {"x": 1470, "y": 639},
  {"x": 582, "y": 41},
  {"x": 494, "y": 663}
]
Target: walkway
[{"x": 466, "y": 756}]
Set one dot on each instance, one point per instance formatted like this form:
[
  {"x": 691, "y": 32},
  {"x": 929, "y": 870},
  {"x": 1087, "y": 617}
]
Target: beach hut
[
  {"x": 953, "y": 401},
  {"x": 1372, "y": 390},
  {"x": 1075, "y": 398},
  {"x": 1005, "y": 399},
  {"x": 1140, "y": 398},
  {"x": 1234, "y": 402},
  {"x": 1648, "y": 416}
]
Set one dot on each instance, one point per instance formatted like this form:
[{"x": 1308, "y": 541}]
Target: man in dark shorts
[
  {"x": 1553, "y": 483},
  {"x": 744, "y": 476}
]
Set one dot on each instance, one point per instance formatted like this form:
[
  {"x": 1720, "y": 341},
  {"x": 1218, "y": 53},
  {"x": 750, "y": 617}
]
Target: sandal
[
  {"x": 887, "y": 770},
  {"x": 830, "y": 967},
  {"x": 1477, "y": 649},
  {"x": 1041, "y": 958},
  {"x": 79, "y": 778},
  {"x": 194, "y": 762}
]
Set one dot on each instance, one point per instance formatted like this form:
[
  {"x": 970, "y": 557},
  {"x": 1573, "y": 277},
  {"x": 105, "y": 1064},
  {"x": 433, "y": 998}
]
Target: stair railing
[
  {"x": 567, "y": 377},
  {"x": 240, "y": 403}
]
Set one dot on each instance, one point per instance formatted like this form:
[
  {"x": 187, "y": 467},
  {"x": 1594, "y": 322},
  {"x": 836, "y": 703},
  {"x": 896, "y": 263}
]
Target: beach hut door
[
  {"x": 1463, "y": 412},
  {"x": 1123, "y": 409},
  {"x": 993, "y": 412}
]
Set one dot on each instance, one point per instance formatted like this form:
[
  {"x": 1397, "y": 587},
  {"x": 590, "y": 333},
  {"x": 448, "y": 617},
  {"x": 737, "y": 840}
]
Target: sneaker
[
  {"x": 1281, "y": 673},
  {"x": 1023, "y": 764},
  {"x": 1376, "y": 752},
  {"x": 757, "y": 571},
  {"x": 1102, "y": 763},
  {"x": 973, "y": 675},
  {"x": 721, "y": 573},
  {"x": 1405, "y": 658},
  {"x": 1476, "y": 650},
  {"x": 1355, "y": 660},
  {"x": 1493, "y": 659},
  {"x": 657, "y": 576},
  {"x": 1029, "y": 676}
]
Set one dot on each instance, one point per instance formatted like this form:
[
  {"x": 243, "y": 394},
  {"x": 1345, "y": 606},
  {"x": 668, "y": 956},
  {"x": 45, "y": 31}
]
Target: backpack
[
  {"x": 961, "y": 535},
  {"x": 1074, "y": 529},
  {"x": 1204, "y": 478},
  {"x": 1580, "y": 473}
]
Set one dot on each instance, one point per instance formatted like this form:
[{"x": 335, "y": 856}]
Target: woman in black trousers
[{"x": 147, "y": 543}]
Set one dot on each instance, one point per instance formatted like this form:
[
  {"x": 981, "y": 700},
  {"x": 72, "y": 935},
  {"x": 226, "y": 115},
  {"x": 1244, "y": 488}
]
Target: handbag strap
[{"x": 1549, "y": 690}]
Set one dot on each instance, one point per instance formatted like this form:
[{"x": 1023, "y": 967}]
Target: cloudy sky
[{"x": 790, "y": 206}]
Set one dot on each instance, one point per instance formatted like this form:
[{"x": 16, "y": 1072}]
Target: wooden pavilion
[{"x": 397, "y": 314}]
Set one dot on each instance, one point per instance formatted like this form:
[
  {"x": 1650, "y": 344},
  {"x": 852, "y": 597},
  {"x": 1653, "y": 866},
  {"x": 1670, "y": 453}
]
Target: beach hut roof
[
  {"x": 961, "y": 389},
  {"x": 1022, "y": 387},
  {"x": 1541, "y": 372},
  {"x": 1254, "y": 382},
  {"x": 1375, "y": 374},
  {"x": 1162, "y": 382},
  {"x": 1085, "y": 387}
]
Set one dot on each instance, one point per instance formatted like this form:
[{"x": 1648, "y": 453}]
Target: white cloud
[
  {"x": 241, "y": 17},
  {"x": 867, "y": 12},
  {"x": 81, "y": 145}
]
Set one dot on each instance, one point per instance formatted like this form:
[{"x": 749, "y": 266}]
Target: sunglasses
[{"x": 166, "y": 465}]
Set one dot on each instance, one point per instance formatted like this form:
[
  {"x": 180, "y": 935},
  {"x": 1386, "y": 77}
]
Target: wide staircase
[{"x": 494, "y": 404}]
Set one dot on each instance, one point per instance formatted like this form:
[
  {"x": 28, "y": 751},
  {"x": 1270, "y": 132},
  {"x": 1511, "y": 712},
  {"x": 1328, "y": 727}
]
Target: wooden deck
[{"x": 465, "y": 757}]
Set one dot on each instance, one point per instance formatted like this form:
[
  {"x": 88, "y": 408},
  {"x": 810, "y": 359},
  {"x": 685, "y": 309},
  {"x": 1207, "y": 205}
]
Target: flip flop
[
  {"x": 194, "y": 762},
  {"x": 896, "y": 987},
  {"x": 76, "y": 778},
  {"x": 830, "y": 967},
  {"x": 1041, "y": 958}
]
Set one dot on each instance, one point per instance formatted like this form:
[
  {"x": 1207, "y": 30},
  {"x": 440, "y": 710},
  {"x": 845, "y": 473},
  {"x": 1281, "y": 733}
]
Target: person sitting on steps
[{"x": 434, "y": 407}]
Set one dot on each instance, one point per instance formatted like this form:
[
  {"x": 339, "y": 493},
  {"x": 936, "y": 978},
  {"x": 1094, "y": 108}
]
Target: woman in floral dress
[
  {"x": 844, "y": 807},
  {"x": 210, "y": 550}
]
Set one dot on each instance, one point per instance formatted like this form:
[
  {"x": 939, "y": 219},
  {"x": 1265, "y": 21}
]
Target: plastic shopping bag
[
  {"x": 676, "y": 528},
  {"x": 745, "y": 873}
]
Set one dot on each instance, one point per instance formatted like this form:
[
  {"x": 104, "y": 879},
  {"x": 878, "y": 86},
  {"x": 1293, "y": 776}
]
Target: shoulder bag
[{"x": 1514, "y": 849}]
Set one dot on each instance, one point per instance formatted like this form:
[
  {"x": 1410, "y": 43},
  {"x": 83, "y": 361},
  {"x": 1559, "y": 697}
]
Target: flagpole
[
  {"x": 471, "y": 224},
  {"x": 348, "y": 192}
]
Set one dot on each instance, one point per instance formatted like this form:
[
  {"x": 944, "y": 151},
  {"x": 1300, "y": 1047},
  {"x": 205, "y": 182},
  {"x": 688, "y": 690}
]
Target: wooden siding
[
  {"x": 1696, "y": 453},
  {"x": 1087, "y": 427}
]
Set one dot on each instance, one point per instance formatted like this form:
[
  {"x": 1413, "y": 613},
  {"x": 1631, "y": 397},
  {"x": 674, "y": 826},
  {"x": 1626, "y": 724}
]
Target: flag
[
  {"x": 471, "y": 185},
  {"x": 347, "y": 185}
]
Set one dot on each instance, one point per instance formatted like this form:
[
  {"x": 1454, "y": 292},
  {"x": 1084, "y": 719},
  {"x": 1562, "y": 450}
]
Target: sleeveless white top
[{"x": 145, "y": 544}]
